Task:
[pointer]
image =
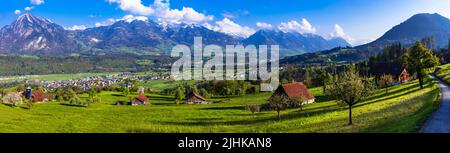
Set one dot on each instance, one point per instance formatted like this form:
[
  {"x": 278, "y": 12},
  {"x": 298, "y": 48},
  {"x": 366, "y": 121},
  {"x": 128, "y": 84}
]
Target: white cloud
[
  {"x": 229, "y": 27},
  {"x": 107, "y": 22},
  {"x": 131, "y": 18},
  {"x": 228, "y": 15},
  {"x": 28, "y": 8},
  {"x": 128, "y": 18},
  {"x": 186, "y": 15},
  {"x": 301, "y": 27},
  {"x": 37, "y": 2},
  {"x": 263, "y": 25},
  {"x": 160, "y": 9},
  {"x": 17, "y": 12},
  {"x": 133, "y": 6},
  {"x": 76, "y": 27},
  {"x": 340, "y": 33}
]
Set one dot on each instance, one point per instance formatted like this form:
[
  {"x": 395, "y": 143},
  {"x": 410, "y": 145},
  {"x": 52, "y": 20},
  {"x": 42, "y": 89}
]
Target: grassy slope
[
  {"x": 402, "y": 110},
  {"x": 444, "y": 73}
]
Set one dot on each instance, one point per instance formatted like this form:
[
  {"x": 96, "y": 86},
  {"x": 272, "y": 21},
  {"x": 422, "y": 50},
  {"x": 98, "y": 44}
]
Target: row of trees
[
  {"x": 222, "y": 88},
  {"x": 312, "y": 76}
]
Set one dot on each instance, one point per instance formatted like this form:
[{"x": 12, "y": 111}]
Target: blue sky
[{"x": 356, "y": 20}]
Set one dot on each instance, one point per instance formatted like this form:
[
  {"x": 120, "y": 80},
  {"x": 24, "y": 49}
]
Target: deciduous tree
[
  {"x": 278, "y": 102},
  {"x": 350, "y": 88},
  {"x": 418, "y": 59},
  {"x": 385, "y": 81}
]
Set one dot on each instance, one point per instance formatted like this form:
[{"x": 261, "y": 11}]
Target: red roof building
[
  {"x": 194, "y": 98},
  {"x": 140, "y": 100},
  {"x": 295, "y": 90},
  {"x": 404, "y": 76}
]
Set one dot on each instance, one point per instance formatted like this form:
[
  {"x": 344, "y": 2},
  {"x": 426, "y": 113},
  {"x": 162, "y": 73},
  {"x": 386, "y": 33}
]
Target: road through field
[{"x": 439, "y": 122}]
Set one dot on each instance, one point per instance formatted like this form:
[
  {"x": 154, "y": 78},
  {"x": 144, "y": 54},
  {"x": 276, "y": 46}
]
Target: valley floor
[{"x": 403, "y": 109}]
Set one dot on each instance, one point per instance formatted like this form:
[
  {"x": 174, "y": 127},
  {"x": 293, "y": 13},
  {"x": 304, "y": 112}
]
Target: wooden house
[
  {"x": 295, "y": 90},
  {"x": 194, "y": 98},
  {"x": 140, "y": 100}
]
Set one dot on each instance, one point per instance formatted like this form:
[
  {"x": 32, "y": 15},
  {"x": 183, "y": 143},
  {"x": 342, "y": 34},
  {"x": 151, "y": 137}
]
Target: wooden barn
[
  {"x": 295, "y": 90},
  {"x": 140, "y": 100},
  {"x": 194, "y": 98}
]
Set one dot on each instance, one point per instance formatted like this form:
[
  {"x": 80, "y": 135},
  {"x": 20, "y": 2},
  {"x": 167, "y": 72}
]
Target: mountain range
[
  {"x": 293, "y": 43},
  {"x": 414, "y": 29},
  {"x": 37, "y": 35}
]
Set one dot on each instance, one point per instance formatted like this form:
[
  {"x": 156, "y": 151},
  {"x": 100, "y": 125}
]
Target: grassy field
[
  {"x": 404, "y": 109},
  {"x": 444, "y": 73},
  {"x": 160, "y": 85}
]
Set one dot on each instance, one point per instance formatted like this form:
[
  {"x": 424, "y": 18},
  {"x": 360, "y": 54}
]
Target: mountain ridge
[
  {"x": 140, "y": 37},
  {"x": 406, "y": 33}
]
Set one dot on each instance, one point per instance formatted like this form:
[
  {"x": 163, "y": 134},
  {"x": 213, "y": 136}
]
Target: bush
[
  {"x": 253, "y": 108},
  {"x": 76, "y": 101}
]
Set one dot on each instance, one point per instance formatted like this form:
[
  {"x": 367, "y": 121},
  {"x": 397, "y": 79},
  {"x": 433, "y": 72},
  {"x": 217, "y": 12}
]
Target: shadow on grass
[
  {"x": 323, "y": 98},
  {"x": 73, "y": 105},
  {"x": 224, "y": 108},
  {"x": 12, "y": 106},
  {"x": 382, "y": 93},
  {"x": 118, "y": 95}
]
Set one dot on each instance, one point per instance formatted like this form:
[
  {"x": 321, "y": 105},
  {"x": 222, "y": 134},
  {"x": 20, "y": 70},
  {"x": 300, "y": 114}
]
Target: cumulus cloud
[
  {"x": 133, "y": 6},
  {"x": 263, "y": 25},
  {"x": 160, "y": 9},
  {"x": 340, "y": 33},
  {"x": 127, "y": 18},
  {"x": 131, "y": 18},
  {"x": 301, "y": 27},
  {"x": 229, "y": 27},
  {"x": 17, "y": 12},
  {"x": 76, "y": 27},
  {"x": 28, "y": 8},
  {"x": 186, "y": 15},
  {"x": 107, "y": 22},
  {"x": 37, "y": 2}
]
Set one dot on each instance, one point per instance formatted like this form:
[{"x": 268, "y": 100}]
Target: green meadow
[
  {"x": 444, "y": 72},
  {"x": 403, "y": 109}
]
